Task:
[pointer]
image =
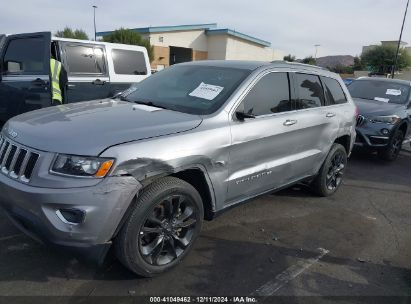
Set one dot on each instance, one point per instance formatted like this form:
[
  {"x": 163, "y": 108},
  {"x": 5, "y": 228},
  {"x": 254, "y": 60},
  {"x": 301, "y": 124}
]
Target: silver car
[{"x": 143, "y": 171}]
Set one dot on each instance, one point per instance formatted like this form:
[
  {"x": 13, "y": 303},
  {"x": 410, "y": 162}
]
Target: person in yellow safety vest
[{"x": 58, "y": 76}]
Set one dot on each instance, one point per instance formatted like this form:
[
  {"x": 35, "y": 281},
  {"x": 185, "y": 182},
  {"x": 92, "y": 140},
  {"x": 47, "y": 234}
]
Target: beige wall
[
  {"x": 161, "y": 56},
  {"x": 217, "y": 46},
  {"x": 196, "y": 40},
  {"x": 238, "y": 49},
  {"x": 214, "y": 47},
  {"x": 199, "y": 55}
]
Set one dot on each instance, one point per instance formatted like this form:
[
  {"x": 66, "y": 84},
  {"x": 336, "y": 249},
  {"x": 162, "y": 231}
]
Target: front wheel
[
  {"x": 330, "y": 176},
  {"x": 394, "y": 147},
  {"x": 162, "y": 228}
]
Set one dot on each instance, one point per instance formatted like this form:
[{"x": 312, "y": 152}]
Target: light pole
[
  {"x": 95, "y": 31},
  {"x": 399, "y": 41},
  {"x": 316, "y": 50}
]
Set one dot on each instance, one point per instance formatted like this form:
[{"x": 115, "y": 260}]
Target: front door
[
  {"x": 260, "y": 157},
  {"x": 24, "y": 75},
  {"x": 86, "y": 66}
]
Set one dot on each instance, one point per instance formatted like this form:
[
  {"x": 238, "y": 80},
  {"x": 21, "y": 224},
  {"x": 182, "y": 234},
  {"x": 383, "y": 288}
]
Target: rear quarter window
[
  {"x": 334, "y": 93},
  {"x": 127, "y": 62}
]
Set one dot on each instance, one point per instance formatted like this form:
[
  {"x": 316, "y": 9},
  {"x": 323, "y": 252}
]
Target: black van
[{"x": 94, "y": 69}]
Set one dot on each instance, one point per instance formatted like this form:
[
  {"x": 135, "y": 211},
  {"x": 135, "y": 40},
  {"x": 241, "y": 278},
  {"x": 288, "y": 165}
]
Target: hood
[
  {"x": 88, "y": 128},
  {"x": 374, "y": 107}
]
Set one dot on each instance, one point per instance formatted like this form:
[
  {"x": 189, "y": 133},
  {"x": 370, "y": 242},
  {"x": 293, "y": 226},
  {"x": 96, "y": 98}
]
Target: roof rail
[{"x": 301, "y": 64}]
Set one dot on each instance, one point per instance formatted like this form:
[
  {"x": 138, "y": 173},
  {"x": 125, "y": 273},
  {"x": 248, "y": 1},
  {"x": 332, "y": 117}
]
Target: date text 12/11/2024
[{"x": 203, "y": 300}]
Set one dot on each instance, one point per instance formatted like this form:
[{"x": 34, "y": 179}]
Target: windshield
[
  {"x": 192, "y": 89},
  {"x": 385, "y": 91}
]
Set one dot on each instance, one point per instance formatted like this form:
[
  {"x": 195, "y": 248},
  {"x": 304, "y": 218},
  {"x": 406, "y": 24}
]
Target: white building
[
  {"x": 391, "y": 43},
  {"x": 181, "y": 43}
]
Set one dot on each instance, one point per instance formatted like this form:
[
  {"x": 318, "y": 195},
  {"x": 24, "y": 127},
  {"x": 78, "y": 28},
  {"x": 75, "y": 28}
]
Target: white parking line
[
  {"x": 269, "y": 288},
  {"x": 5, "y": 238}
]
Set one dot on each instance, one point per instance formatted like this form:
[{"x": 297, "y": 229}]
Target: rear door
[
  {"x": 316, "y": 125},
  {"x": 25, "y": 69},
  {"x": 87, "y": 71}
]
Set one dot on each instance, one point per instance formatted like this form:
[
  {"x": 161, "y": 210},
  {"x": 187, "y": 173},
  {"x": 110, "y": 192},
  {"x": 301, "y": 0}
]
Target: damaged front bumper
[{"x": 44, "y": 213}]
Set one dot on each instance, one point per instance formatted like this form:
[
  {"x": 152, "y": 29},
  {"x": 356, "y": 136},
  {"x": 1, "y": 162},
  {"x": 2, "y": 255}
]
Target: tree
[
  {"x": 289, "y": 58},
  {"x": 381, "y": 59},
  {"x": 309, "y": 60},
  {"x": 358, "y": 64},
  {"x": 340, "y": 69},
  {"x": 126, "y": 36},
  {"x": 69, "y": 33}
]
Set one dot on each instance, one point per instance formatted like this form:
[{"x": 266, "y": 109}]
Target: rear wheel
[
  {"x": 394, "y": 147},
  {"x": 330, "y": 176},
  {"x": 162, "y": 228}
]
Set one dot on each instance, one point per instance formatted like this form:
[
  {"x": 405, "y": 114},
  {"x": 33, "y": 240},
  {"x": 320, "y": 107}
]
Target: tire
[
  {"x": 330, "y": 176},
  {"x": 156, "y": 225},
  {"x": 394, "y": 147}
]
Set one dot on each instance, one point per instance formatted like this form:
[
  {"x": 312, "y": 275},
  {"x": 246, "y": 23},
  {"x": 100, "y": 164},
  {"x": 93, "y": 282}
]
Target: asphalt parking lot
[{"x": 289, "y": 243}]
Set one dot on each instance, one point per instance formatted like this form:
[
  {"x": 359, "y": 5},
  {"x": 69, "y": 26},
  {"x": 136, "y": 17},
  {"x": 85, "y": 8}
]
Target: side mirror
[{"x": 241, "y": 116}]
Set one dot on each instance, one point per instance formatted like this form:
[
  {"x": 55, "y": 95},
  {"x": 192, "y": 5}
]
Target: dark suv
[{"x": 383, "y": 124}]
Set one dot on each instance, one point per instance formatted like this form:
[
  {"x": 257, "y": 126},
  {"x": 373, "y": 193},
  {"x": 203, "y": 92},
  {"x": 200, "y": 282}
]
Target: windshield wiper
[
  {"x": 123, "y": 98},
  {"x": 150, "y": 104}
]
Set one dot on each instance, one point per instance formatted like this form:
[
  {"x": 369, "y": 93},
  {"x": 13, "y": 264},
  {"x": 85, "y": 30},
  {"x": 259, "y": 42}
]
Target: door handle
[
  {"x": 38, "y": 82},
  {"x": 289, "y": 122},
  {"x": 330, "y": 115},
  {"x": 98, "y": 82}
]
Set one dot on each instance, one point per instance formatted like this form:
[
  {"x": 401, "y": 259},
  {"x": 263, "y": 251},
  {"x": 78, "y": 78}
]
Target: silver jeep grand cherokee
[{"x": 144, "y": 170}]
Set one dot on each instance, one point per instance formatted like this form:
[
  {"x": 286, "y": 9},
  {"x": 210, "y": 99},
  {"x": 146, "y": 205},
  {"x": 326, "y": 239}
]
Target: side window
[
  {"x": 85, "y": 59},
  {"x": 129, "y": 62},
  {"x": 25, "y": 56},
  {"x": 333, "y": 91},
  {"x": 310, "y": 91},
  {"x": 270, "y": 95}
]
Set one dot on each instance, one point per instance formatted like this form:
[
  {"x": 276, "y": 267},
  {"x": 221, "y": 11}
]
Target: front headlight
[
  {"x": 391, "y": 119},
  {"x": 82, "y": 166}
]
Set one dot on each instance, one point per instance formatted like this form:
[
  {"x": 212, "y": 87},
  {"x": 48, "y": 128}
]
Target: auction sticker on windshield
[
  {"x": 393, "y": 92},
  {"x": 206, "y": 91}
]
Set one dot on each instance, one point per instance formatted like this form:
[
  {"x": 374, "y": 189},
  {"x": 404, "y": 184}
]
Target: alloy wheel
[
  {"x": 168, "y": 230},
  {"x": 396, "y": 145},
  {"x": 335, "y": 171}
]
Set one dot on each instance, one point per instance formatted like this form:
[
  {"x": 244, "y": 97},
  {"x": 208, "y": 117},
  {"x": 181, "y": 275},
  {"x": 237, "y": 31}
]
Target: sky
[{"x": 292, "y": 26}]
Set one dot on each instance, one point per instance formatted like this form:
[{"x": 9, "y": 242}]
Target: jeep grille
[{"x": 16, "y": 161}]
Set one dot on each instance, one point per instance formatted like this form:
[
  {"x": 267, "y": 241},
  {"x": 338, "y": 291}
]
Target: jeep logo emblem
[{"x": 12, "y": 133}]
